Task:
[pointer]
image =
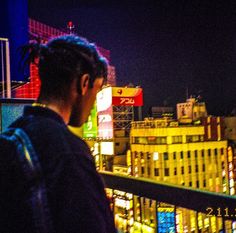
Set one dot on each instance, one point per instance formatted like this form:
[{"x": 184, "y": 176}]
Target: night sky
[{"x": 166, "y": 47}]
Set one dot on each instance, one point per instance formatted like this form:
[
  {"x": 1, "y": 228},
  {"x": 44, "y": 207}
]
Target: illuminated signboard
[
  {"x": 185, "y": 111},
  {"x": 90, "y": 127},
  {"x": 166, "y": 219},
  {"x": 127, "y": 96},
  {"x": 104, "y": 111}
]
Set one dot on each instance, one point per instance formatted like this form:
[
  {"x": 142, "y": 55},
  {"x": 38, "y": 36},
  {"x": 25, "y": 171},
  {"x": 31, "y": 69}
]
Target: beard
[{"x": 76, "y": 115}]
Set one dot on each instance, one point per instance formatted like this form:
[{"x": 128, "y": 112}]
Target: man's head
[{"x": 71, "y": 70}]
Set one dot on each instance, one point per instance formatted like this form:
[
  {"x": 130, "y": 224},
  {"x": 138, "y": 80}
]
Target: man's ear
[{"x": 83, "y": 84}]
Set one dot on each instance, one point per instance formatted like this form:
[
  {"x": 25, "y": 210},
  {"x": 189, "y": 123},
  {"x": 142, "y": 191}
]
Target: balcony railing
[{"x": 194, "y": 199}]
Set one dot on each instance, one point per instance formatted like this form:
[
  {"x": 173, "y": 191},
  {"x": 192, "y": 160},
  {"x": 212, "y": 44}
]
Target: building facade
[{"x": 163, "y": 150}]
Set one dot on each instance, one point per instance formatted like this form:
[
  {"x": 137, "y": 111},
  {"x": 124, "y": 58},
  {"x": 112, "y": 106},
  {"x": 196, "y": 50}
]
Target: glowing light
[
  {"x": 155, "y": 156},
  {"x": 107, "y": 148}
]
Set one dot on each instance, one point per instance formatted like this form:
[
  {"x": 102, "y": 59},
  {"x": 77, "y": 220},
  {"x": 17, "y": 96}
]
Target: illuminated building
[
  {"x": 192, "y": 154},
  {"x": 110, "y": 124},
  {"x": 44, "y": 32},
  {"x": 230, "y": 133}
]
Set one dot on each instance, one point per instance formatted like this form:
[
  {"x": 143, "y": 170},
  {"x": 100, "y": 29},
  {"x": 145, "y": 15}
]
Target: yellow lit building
[{"x": 163, "y": 150}]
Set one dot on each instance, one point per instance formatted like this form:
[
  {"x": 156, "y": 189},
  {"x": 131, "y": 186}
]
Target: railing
[{"x": 219, "y": 205}]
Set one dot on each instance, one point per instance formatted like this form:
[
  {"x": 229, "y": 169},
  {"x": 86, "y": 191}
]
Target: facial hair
[{"x": 75, "y": 117}]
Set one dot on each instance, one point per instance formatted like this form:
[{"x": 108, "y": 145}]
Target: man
[{"x": 71, "y": 72}]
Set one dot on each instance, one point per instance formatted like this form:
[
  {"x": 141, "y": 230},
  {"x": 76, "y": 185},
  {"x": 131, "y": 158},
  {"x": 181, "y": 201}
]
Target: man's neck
[{"x": 60, "y": 107}]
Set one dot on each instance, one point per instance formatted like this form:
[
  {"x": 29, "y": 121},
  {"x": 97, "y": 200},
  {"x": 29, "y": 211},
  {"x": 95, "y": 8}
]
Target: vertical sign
[
  {"x": 104, "y": 111},
  {"x": 90, "y": 127}
]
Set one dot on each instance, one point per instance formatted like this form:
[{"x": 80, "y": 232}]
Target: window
[
  {"x": 176, "y": 139},
  {"x": 161, "y": 140},
  {"x": 190, "y": 183},
  {"x": 193, "y": 138},
  {"x": 181, "y": 155},
  {"x": 195, "y": 154},
  {"x": 141, "y": 154},
  {"x": 189, "y": 169},
  {"x": 167, "y": 171},
  {"x": 156, "y": 171},
  {"x": 209, "y": 152},
  {"x": 222, "y": 151},
  {"x": 188, "y": 154},
  {"x": 175, "y": 171},
  {"x": 182, "y": 170},
  {"x": 140, "y": 140},
  {"x": 203, "y": 167},
  {"x": 197, "y": 183},
  {"x": 204, "y": 183},
  {"x": 196, "y": 168},
  {"x": 165, "y": 156},
  {"x": 216, "y": 151},
  {"x": 203, "y": 153},
  {"x": 174, "y": 155},
  {"x": 142, "y": 170}
]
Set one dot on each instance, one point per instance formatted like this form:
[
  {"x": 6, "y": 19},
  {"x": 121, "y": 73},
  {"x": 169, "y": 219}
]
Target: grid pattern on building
[
  {"x": 45, "y": 32},
  {"x": 181, "y": 155},
  {"x": 122, "y": 117}
]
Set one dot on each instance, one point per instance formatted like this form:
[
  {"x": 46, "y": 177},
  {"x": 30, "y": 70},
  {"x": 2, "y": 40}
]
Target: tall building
[
  {"x": 45, "y": 32},
  {"x": 191, "y": 152},
  {"x": 107, "y": 130}
]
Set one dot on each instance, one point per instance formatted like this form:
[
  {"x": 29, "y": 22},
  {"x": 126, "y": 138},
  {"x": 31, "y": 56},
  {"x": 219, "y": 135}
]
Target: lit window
[{"x": 155, "y": 156}]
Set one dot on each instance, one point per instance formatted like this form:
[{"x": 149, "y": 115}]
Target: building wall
[{"x": 181, "y": 155}]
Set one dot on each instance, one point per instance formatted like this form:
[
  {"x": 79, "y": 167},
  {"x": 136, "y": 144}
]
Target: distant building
[
  {"x": 191, "y": 111},
  {"x": 191, "y": 152},
  {"x": 230, "y": 134},
  {"x": 160, "y": 112},
  {"x": 166, "y": 151}
]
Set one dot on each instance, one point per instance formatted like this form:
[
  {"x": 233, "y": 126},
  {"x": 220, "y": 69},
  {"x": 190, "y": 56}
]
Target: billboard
[
  {"x": 127, "y": 96},
  {"x": 90, "y": 128},
  {"x": 185, "y": 111},
  {"x": 105, "y": 113}
]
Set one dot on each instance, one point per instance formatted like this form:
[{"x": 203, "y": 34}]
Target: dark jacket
[{"x": 75, "y": 191}]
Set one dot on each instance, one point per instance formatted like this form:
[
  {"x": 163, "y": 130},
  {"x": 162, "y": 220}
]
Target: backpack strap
[{"x": 33, "y": 173}]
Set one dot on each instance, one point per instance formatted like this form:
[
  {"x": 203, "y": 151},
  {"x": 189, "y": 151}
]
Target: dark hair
[{"x": 63, "y": 59}]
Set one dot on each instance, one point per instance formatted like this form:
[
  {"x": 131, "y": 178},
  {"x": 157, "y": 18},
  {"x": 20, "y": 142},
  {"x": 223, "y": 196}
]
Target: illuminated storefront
[
  {"x": 123, "y": 209},
  {"x": 165, "y": 218}
]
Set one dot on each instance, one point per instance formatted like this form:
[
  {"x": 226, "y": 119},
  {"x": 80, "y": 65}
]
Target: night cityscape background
[
  {"x": 170, "y": 48},
  {"x": 163, "y": 172}
]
